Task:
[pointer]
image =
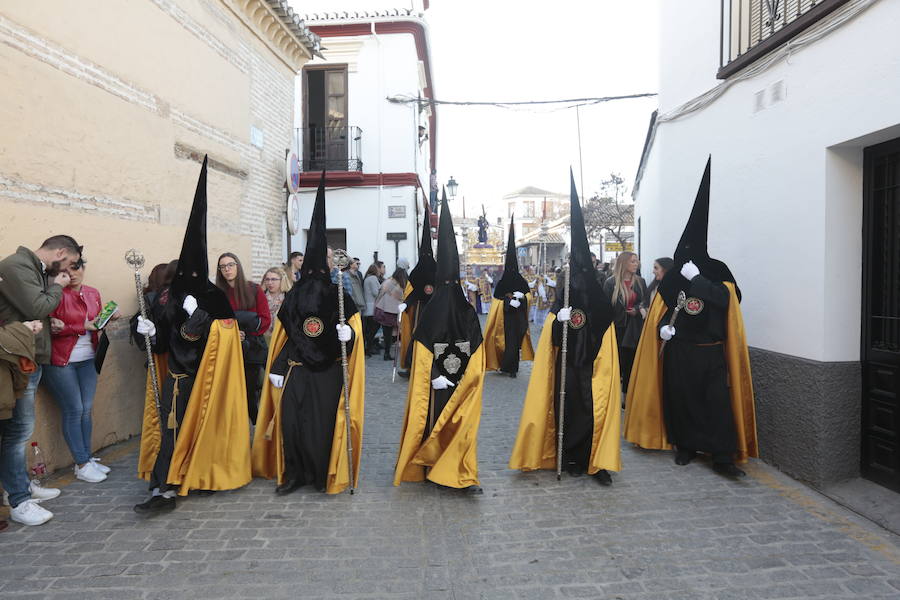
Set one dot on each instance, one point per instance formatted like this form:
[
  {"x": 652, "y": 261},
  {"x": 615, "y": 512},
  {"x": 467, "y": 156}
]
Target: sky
[{"x": 520, "y": 50}]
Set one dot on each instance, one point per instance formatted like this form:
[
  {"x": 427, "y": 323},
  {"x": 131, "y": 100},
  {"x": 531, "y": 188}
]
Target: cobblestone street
[{"x": 661, "y": 532}]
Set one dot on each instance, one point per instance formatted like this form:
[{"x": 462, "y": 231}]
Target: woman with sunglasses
[
  {"x": 251, "y": 310},
  {"x": 71, "y": 375}
]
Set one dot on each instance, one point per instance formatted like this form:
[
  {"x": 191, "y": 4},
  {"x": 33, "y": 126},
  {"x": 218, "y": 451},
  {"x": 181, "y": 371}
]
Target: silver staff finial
[
  {"x": 341, "y": 259},
  {"x": 134, "y": 259}
]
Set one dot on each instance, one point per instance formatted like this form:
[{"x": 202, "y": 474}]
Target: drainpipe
[{"x": 380, "y": 101}]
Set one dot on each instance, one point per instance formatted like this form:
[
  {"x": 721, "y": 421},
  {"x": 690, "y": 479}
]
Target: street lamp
[{"x": 451, "y": 187}]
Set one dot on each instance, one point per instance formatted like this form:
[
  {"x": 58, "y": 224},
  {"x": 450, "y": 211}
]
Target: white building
[
  {"x": 378, "y": 155},
  {"x": 799, "y": 113}
]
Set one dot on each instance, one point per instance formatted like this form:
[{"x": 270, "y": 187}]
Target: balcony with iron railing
[
  {"x": 330, "y": 148},
  {"x": 753, "y": 28}
]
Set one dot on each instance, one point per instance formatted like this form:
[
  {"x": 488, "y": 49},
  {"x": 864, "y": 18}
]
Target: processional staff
[{"x": 342, "y": 261}]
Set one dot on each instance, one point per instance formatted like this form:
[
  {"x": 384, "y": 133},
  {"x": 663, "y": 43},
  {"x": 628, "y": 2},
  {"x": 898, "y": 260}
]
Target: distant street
[{"x": 661, "y": 532}]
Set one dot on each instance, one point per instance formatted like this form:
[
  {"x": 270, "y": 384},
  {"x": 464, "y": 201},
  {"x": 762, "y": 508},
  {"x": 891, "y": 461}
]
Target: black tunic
[
  {"x": 696, "y": 401},
  {"x": 515, "y": 326}
]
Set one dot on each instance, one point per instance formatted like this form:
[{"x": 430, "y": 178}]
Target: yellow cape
[
  {"x": 212, "y": 451},
  {"x": 495, "y": 342},
  {"x": 644, "y": 424},
  {"x": 535, "y": 446},
  {"x": 268, "y": 455},
  {"x": 407, "y": 323},
  {"x": 150, "y": 427},
  {"x": 449, "y": 456}
]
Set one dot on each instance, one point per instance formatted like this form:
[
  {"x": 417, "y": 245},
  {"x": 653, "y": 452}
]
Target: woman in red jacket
[
  {"x": 71, "y": 376},
  {"x": 251, "y": 310}
]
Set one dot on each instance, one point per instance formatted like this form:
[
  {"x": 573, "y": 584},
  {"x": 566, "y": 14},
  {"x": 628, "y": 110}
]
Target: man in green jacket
[{"x": 31, "y": 285}]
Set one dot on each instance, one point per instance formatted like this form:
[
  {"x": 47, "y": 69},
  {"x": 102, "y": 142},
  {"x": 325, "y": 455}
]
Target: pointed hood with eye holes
[
  {"x": 192, "y": 273},
  {"x": 585, "y": 293},
  {"x": 422, "y": 277},
  {"x": 309, "y": 312},
  {"x": 693, "y": 247},
  {"x": 448, "y": 317},
  {"x": 512, "y": 280}
]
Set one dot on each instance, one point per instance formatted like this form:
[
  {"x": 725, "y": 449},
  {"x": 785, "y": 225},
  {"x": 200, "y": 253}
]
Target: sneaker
[
  {"x": 102, "y": 468},
  {"x": 38, "y": 493},
  {"x": 89, "y": 473},
  {"x": 30, "y": 513}
]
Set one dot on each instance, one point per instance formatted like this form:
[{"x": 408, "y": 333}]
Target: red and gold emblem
[
  {"x": 313, "y": 327},
  {"x": 577, "y": 318},
  {"x": 693, "y": 306},
  {"x": 428, "y": 289}
]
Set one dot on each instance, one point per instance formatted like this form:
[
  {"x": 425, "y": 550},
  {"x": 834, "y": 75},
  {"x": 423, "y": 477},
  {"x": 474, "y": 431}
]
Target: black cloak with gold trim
[
  {"x": 439, "y": 438},
  {"x": 644, "y": 420}
]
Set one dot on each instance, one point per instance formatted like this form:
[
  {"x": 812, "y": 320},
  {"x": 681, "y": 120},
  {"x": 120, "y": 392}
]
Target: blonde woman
[
  {"x": 626, "y": 290},
  {"x": 275, "y": 283}
]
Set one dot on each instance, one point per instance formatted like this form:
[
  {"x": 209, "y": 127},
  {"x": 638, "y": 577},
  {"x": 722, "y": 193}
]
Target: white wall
[
  {"x": 786, "y": 204},
  {"x": 365, "y": 217}
]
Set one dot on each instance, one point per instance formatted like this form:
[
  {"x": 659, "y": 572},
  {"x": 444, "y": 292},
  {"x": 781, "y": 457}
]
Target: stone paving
[{"x": 661, "y": 532}]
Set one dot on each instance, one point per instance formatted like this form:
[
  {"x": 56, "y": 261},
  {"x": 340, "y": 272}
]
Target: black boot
[
  {"x": 603, "y": 477},
  {"x": 473, "y": 490},
  {"x": 684, "y": 457},
  {"x": 728, "y": 470},
  {"x": 574, "y": 470},
  {"x": 291, "y": 485},
  {"x": 155, "y": 504}
]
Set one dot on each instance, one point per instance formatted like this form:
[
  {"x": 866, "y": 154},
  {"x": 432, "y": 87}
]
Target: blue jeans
[
  {"x": 73, "y": 388},
  {"x": 14, "y": 433}
]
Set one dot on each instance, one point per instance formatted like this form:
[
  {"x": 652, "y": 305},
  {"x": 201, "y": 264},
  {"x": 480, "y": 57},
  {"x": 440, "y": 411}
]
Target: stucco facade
[{"x": 107, "y": 111}]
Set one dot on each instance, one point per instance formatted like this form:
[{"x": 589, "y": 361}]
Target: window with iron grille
[{"x": 752, "y": 28}]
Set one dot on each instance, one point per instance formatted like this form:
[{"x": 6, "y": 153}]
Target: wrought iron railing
[
  {"x": 331, "y": 148},
  {"x": 752, "y": 28}
]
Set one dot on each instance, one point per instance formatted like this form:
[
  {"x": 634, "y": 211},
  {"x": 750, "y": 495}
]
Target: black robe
[
  {"x": 515, "y": 326},
  {"x": 696, "y": 403}
]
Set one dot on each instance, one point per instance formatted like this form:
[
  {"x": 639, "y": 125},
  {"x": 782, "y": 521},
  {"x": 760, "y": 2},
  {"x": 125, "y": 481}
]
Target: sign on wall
[
  {"x": 293, "y": 214},
  {"x": 617, "y": 247},
  {"x": 396, "y": 212},
  {"x": 292, "y": 172}
]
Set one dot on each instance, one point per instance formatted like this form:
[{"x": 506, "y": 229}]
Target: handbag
[{"x": 385, "y": 318}]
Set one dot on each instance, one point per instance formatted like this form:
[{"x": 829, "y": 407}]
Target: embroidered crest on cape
[
  {"x": 577, "y": 319},
  {"x": 313, "y": 327},
  {"x": 693, "y": 306}
]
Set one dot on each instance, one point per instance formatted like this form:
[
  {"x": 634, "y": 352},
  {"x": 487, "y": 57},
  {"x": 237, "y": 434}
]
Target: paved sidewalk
[{"x": 661, "y": 532}]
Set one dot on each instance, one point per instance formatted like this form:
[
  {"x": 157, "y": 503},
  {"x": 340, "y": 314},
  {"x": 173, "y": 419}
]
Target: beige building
[{"x": 108, "y": 107}]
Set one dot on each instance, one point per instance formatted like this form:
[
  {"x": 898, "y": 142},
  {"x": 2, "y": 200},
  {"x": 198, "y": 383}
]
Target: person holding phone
[{"x": 71, "y": 375}]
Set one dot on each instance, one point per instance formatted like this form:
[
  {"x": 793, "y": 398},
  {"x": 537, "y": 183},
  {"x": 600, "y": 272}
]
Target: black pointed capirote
[
  {"x": 447, "y": 252},
  {"x": 315, "y": 260},
  {"x": 512, "y": 280},
  {"x": 192, "y": 275},
  {"x": 422, "y": 277}
]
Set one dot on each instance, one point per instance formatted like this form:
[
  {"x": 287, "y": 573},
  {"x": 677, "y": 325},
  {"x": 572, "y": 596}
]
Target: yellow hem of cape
[
  {"x": 535, "y": 445},
  {"x": 644, "y": 423},
  {"x": 150, "y": 432}
]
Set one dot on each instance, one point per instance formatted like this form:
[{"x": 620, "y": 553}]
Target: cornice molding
[{"x": 284, "y": 34}]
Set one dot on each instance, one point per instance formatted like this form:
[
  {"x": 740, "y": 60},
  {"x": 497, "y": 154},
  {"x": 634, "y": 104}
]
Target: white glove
[
  {"x": 277, "y": 380},
  {"x": 689, "y": 270},
  {"x": 518, "y": 295},
  {"x": 146, "y": 327},
  {"x": 344, "y": 332},
  {"x": 515, "y": 303},
  {"x": 551, "y": 283},
  {"x": 441, "y": 383},
  {"x": 667, "y": 332},
  {"x": 401, "y": 307},
  {"x": 564, "y": 314},
  {"x": 489, "y": 278},
  {"x": 471, "y": 286},
  {"x": 532, "y": 282},
  {"x": 189, "y": 305}
]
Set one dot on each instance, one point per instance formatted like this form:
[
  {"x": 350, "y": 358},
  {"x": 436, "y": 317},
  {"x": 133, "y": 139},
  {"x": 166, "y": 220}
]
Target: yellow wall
[{"x": 103, "y": 101}]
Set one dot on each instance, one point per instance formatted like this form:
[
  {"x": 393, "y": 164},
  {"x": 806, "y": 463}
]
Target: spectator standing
[
  {"x": 371, "y": 286},
  {"x": 251, "y": 310},
  {"x": 294, "y": 263},
  {"x": 71, "y": 376},
  {"x": 626, "y": 291},
  {"x": 275, "y": 283},
  {"x": 387, "y": 306},
  {"x": 356, "y": 283},
  {"x": 660, "y": 267},
  {"x": 31, "y": 286},
  {"x": 16, "y": 364}
]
